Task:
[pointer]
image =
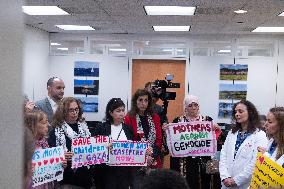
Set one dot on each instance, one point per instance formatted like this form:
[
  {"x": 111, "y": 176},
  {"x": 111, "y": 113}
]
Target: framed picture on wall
[
  {"x": 86, "y": 87},
  {"x": 232, "y": 91},
  {"x": 86, "y": 68},
  {"x": 225, "y": 109},
  {"x": 90, "y": 104},
  {"x": 233, "y": 72}
]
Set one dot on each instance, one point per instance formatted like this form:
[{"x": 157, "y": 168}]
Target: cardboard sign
[
  {"x": 47, "y": 165},
  {"x": 194, "y": 138},
  {"x": 89, "y": 151},
  {"x": 128, "y": 153},
  {"x": 267, "y": 173}
]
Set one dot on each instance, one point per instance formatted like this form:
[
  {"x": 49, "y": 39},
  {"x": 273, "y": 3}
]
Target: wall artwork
[
  {"x": 233, "y": 72},
  {"x": 90, "y": 104},
  {"x": 86, "y": 87},
  {"x": 225, "y": 109},
  {"x": 85, "y": 68},
  {"x": 232, "y": 91}
]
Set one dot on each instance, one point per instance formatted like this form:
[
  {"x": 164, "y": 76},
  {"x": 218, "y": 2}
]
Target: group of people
[{"x": 56, "y": 120}]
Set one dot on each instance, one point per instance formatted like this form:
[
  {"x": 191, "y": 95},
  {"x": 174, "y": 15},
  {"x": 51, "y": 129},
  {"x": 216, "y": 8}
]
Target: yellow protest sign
[{"x": 267, "y": 174}]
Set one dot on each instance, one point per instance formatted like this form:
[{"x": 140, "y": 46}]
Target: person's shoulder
[{"x": 41, "y": 101}]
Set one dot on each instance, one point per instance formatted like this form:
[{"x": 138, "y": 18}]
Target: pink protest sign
[
  {"x": 47, "y": 165},
  {"x": 195, "y": 138},
  {"x": 89, "y": 151},
  {"x": 128, "y": 153}
]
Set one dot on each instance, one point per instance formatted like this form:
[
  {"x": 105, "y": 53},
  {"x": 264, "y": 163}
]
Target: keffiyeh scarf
[
  {"x": 66, "y": 131},
  {"x": 152, "y": 131}
]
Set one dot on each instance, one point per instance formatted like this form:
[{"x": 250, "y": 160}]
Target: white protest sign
[
  {"x": 195, "y": 138},
  {"x": 128, "y": 153},
  {"x": 47, "y": 165},
  {"x": 89, "y": 151}
]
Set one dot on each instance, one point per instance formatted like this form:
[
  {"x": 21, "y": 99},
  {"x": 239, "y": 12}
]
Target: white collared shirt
[
  {"x": 53, "y": 104},
  {"x": 117, "y": 132}
]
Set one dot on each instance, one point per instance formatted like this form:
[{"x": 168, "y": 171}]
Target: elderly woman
[
  {"x": 193, "y": 168},
  {"x": 274, "y": 127},
  {"x": 68, "y": 124},
  {"x": 238, "y": 154}
]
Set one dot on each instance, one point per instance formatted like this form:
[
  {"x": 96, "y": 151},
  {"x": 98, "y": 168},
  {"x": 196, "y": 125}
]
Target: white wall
[
  {"x": 113, "y": 78},
  {"x": 35, "y": 63},
  {"x": 11, "y": 135}
]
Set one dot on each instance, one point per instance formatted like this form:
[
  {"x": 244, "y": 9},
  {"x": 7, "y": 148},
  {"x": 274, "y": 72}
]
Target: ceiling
[{"x": 128, "y": 16}]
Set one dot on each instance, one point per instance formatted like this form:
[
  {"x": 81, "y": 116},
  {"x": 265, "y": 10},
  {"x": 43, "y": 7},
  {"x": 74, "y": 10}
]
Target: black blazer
[{"x": 105, "y": 130}]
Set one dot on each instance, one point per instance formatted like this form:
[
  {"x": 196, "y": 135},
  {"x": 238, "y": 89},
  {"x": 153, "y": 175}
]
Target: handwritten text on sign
[
  {"x": 128, "y": 153},
  {"x": 194, "y": 138},
  {"x": 267, "y": 174},
  {"x": 47, "y": 164},
  {"x": 89, "y": 151}
]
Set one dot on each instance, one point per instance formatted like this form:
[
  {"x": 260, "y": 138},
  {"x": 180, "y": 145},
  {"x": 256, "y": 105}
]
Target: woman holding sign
[
  {"x": 112, "y": 177},
  {"x": 68, "y": 124},
  {"x": 238, "y": 154},
  {"x": 146, "y": 124},
  {"x": 274, "y": 127},
  {"x": 193, "y": 168}
]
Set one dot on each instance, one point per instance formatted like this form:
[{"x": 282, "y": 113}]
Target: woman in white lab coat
[
  {"x": 274, "y": 127},
  {"x": 238, "y": 154}
]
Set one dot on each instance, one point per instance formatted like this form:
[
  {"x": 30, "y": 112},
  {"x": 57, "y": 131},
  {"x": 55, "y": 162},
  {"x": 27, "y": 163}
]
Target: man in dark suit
[{"x": 55, "y": 89}]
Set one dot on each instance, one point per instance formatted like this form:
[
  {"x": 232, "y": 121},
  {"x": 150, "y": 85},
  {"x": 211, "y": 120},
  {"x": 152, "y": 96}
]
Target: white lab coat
[
  {"x": 241, "y": 167},
  {"x": 280, "y": 160}
]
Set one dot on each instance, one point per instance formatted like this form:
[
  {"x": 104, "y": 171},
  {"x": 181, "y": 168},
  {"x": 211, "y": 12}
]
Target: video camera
[{"x": 159, "y": 88}]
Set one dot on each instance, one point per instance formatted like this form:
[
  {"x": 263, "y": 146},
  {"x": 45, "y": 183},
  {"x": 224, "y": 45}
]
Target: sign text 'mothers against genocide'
[{"x": 195, "y": 138}]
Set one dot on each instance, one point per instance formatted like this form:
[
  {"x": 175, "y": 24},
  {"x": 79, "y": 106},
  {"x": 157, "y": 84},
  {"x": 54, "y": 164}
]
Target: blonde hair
[{"x": 31, "y": 119}]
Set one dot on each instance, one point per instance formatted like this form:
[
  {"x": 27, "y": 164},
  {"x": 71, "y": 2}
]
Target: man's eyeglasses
[{"x": 76, "y": 110}]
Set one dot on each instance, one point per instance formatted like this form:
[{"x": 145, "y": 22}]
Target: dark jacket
[{"x": 112, "y": 177}]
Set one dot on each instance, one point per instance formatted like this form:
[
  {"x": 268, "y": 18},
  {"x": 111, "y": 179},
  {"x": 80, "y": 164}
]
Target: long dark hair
[
  {"x": 253, "y": 117},
  {"x": 111, "y": 106},
  {"x": 278, "y": 113},
  {"x": 134, "y": 109}
]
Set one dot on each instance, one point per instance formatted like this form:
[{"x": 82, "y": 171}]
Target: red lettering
[
  {"x": 176, "y": 128},
  {"x": 208, "y": 126}
]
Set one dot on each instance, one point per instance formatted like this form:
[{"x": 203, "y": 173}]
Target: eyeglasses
[
  {"x": 193, "y": 104},
  {"x": 76, "y": 110}
]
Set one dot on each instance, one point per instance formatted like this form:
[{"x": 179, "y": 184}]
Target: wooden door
[{"x": 144, "y": 71}]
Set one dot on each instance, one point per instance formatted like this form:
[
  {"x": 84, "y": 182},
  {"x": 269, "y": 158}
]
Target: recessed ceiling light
[
  {"x": 169, "y": 10},
  {"x": 55, "y": 44},
  {"x": 268, "y": 29},
  {"x": 117, "y": 50},
  {"x": 281, "y": 14},
  {"x": 63, "y": 48},
  {"x": 241, "y": 11},
  {"x": 224, "y": 51},
  {"x": 167, "y": 50},
  {"x": 74, "y": 27},
  {"x": 171, "y": 28},
  {"x": 43, "y": 10}
]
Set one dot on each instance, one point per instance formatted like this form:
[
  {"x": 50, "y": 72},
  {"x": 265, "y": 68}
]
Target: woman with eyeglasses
[
  {"x": 68, "y": 124},
  {"x": 193, "y": 168}
]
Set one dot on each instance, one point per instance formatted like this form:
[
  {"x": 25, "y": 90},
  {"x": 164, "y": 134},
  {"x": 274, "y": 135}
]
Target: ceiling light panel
[
  {"x": 171, "y": 28},
  {"x": 74, "y": 27},
  {"x": 170, "y": 10},
  {"x": 43, "y": 10},
  {"x": 269, "y": 29}
]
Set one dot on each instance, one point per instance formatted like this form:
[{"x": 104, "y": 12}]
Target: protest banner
[
  {"x": 195, "y": 138},
  {"x": 128, "y": 153},
  {"x": 267, "y": 173},
  {"x": 89, "y": 151},
  {"x": 47, "y": 165}
]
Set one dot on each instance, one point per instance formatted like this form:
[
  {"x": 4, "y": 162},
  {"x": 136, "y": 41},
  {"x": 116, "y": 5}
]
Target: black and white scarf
[
  {"x": 152, "y": 129},
  {"x": 65, "y": 130}
]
